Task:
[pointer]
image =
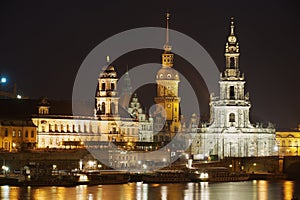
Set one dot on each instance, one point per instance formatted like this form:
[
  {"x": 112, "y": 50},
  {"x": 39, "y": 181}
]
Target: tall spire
[
  {"x": 232, "y": 26},
  {"x": 232, "y": 53},
  {"x": 167, "y": 47}
]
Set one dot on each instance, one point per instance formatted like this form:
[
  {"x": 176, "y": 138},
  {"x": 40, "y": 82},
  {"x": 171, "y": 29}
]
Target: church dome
[
  {"x": 167, "y": 73},
  {"x": 108, "y": 72}
]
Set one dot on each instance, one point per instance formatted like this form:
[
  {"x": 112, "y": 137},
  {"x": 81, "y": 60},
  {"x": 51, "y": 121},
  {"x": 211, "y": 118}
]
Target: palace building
[
  {"x": 229, "y": 132},
  {"x": 106, "y": 125}
]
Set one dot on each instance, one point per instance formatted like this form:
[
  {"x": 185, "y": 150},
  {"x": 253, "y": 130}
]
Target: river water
[{"x": 261, "y": 190}]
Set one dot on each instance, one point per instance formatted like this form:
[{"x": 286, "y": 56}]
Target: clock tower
[{"x": 167, "y": 99}]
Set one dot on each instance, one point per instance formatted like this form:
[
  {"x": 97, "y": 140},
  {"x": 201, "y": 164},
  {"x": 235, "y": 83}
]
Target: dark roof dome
[
  {"x": 167, "y": 73},
  {"x": 108, "y": 72}
]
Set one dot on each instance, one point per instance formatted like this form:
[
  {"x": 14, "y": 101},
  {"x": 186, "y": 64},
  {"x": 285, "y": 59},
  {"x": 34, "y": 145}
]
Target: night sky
[{"x": 43, "y": 43}]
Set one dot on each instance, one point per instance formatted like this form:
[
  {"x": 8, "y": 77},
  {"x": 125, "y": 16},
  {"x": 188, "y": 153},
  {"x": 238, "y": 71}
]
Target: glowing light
[
  {"x": 203, "y": 175},
  {"x": 83, "y": 178},
  {"x": 254, "y": 164},
  {"x": 91, "y": 163},
  {"x": 5, "y": 168},
  {"x": 19, "y": 96},
  {"x": 230, "y": 166},
  {"x": 3, "y": 80}
]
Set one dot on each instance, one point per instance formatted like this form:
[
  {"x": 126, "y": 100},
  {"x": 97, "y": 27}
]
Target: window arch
[{"x": 231, "y": 117}]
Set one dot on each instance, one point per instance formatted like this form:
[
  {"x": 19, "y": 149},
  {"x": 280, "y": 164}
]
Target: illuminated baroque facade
[
  {"x": 61, "y": 131},
  {"x": 230, "y": 133},
  {"x": 288, "y": 142}
]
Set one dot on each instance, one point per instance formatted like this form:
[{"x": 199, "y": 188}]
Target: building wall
[
  {"x": 288, "y": 143},
  {"x": 15, "y": 135}
]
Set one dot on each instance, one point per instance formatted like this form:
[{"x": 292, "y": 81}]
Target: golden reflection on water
[
  {"x": 261, "y": 190},
  {"x": 163, "y": 192},
  {"x": 288, "y": 189},
  {"x": 262, "y": 186}
]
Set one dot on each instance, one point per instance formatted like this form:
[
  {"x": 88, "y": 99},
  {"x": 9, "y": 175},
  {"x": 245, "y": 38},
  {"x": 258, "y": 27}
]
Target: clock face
[{"x": 231, "y": 38}]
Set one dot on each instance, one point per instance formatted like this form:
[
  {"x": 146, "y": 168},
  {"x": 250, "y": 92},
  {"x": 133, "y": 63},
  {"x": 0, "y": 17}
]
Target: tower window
[
  {"x": 231, "y": 117},
  {"x": 103, "y": 108},
  {"x": 112, "y": 108},
  {"x": 231, "y": 92},
  {"x": 232, "y": 65},
  {"x": 103, "y": 87},
  {"x": 112, "y": 86}
]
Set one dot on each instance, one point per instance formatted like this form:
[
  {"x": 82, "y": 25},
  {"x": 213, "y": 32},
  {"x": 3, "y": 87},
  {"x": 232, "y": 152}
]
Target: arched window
[
  {"x": 231, "y": 92},
  {"x": 103, "y": 87},
  {"x": 231, "y": 117},
  {"x": 232, "y": 63},
  {"x": 103, "y": 108}
]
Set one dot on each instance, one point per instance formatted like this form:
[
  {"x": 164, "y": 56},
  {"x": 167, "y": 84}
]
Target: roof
[
  {"x": 17, "y": 123},
  {"x": 25, "y": 108}
]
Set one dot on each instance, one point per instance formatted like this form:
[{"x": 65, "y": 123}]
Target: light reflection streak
[
  {"x": 262, "y": 190},
  {"x": 5, "y": 192},
  {"x": 288, "y": 189},
  {"x": 99, "y": 192},
  {"x": 81, "y": 192},
  {"x": 188, "y": 193},
  {"x": 145, "y": 191},
  {"x": 138, "y": 190},
  {"x": 204, "y": 190},
  {"x": 163, "y": 192}
]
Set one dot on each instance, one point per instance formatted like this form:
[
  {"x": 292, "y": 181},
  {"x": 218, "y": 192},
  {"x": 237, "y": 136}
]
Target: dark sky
[{"x": 43, "y": 43}]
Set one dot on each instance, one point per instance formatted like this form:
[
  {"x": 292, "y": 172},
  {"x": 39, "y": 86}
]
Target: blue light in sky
[{"x": 3, "y": 80}]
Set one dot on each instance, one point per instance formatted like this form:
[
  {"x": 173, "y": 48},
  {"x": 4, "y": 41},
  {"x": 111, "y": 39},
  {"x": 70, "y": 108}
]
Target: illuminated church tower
[
  {"x": 167, "y": 80},
  {"x": 232, "y": 109},
  {"x": 229, "y": 132},
  {"x": 106, "y": 97}
]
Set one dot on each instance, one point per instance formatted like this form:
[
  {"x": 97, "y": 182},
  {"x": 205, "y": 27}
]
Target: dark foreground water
[{"x": 232, "y": 190}]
